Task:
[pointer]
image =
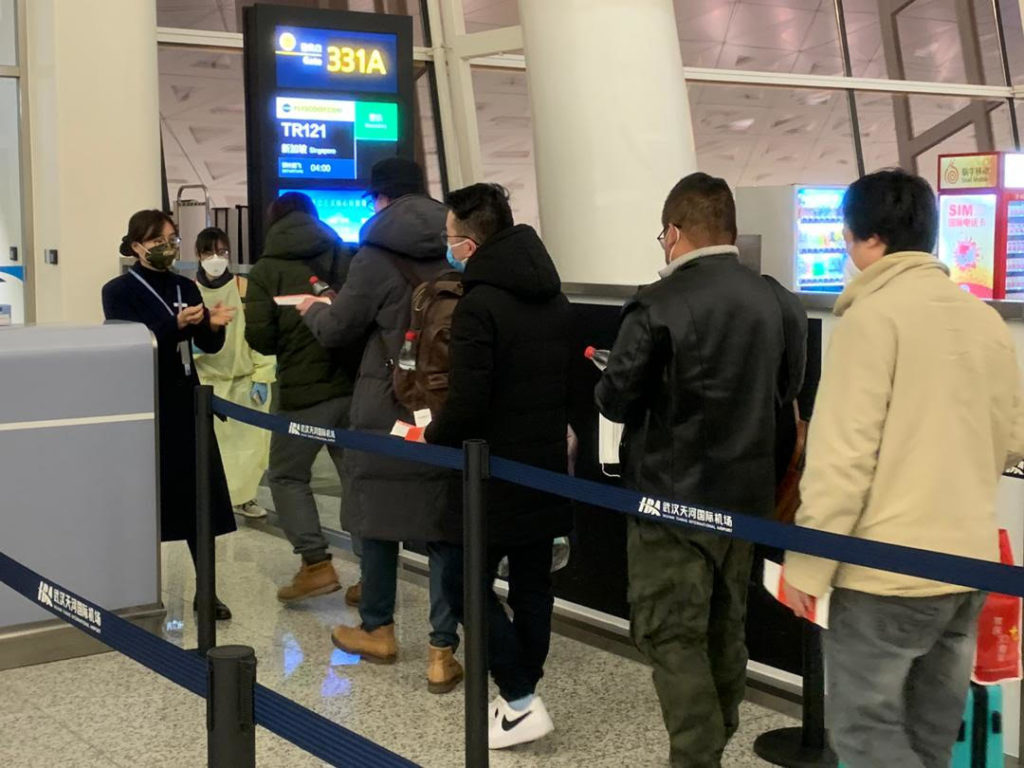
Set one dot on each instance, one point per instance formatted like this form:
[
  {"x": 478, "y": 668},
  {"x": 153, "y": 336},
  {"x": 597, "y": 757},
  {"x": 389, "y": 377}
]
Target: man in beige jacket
[{"x": 915, "y": 420}]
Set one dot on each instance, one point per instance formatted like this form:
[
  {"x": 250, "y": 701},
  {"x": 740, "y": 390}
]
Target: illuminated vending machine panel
[
  {"x": 820, "y": 248},
  {"x": 1013, "y": 182},
  {"x": 328, "y": 95}
]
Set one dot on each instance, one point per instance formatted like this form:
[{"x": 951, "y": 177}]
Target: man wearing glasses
[{"x": 693, "y": 376}]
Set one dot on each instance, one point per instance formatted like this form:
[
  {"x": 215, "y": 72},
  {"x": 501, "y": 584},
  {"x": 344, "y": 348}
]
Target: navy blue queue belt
[
  {"x": 306, "y": 729},
  {"x": 910, "y": 561}
]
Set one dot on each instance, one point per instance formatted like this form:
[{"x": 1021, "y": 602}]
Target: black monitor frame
[{"x": 259, "y": 61}]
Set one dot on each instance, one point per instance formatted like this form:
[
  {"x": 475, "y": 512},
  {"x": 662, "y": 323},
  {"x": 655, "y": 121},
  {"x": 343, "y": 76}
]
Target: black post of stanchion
[
  {"x": 475, "y": 471},
  {"x": 230, "y": 716},
  {"x": 806, "y": 746},
  {"x": 205, "y": 560}
]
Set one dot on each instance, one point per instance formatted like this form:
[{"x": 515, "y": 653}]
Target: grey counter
[{"x": 78, "y": 478}]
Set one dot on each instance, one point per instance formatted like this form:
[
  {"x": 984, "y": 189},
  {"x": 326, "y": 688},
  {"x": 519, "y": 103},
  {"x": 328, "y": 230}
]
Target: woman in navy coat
[{"x": 171, "y": 307}]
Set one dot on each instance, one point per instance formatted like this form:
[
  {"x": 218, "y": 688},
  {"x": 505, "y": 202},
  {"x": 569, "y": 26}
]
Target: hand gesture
[
  {"x": 304, "y": 305},
  {"x": 190, "y": 316},
  {"x": 221, "y": 316},
  {"x": 801, "y": 603}
]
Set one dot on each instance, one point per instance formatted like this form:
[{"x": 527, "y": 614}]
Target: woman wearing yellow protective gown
[{"x": 236, "y": 373}]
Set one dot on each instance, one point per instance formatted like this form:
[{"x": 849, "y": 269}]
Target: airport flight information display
[{"x": 328, "y": 94}]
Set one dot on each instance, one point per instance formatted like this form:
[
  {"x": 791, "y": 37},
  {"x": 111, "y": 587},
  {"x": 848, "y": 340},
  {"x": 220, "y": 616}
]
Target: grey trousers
[
  {"x": 898, "y": 670},
  {"x": 290, "y": 472}
]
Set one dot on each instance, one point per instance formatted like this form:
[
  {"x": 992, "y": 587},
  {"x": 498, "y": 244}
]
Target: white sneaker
[
  {"x": 251, "y": 510},
  {"x": 509, "y": 727}
]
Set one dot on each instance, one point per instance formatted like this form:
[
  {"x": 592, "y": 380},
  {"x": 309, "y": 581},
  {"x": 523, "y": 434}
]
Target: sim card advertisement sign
[
  {"x": 967, "y": 241},
  {"x": 331, "y": 60}
]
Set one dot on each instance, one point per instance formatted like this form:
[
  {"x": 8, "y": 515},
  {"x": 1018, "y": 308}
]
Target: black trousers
[{"x": 517, "y": 646}]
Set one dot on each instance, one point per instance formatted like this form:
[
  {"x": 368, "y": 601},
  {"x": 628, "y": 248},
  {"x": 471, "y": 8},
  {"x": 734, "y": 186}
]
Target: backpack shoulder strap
[{"x": 405, "y": 268}]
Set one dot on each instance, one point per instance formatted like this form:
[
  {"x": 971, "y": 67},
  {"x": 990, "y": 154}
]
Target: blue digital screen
[
  {"x": 299, "y": 168},
  {"x": 343, "y": 210},
  {"x": 333, "y": 60}
]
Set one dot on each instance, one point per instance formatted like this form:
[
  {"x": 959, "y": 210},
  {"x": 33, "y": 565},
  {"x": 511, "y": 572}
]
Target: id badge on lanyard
[{"x": 184, "y": 348}]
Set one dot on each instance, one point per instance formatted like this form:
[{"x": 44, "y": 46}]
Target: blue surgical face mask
[{"x": 458, "y": 266}]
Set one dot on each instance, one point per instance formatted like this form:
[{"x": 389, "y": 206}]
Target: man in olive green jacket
[{"x": 315, "y": 383}]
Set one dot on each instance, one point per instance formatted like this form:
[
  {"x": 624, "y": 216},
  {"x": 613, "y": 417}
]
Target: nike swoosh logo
[{"x": 508, "y": 726}]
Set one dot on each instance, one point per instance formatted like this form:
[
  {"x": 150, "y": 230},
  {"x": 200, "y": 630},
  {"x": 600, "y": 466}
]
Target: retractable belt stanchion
[
  {"x": 230, "y": 707},
  {"x": 475, "y": 472},
  {"x": 806, "y": 746},
  {"x": 205, "y": 561}
]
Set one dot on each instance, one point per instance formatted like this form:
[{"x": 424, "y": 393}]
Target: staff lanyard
[{"x": 184, "y": 349}]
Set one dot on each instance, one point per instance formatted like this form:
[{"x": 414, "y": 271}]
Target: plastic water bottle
[
  {"x": 598, "y": 357},
  {"x": 320, "y": 288},
  {"x": 407, "y": 356}
]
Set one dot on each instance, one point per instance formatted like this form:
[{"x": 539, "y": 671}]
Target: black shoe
[{"x": 220, "y": 611}]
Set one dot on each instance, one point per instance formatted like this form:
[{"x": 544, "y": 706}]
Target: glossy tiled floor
[{"x": 107, "y": 711}]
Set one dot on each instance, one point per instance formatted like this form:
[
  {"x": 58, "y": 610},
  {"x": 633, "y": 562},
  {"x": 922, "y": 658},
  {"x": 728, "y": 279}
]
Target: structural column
[
  {"x": 612, "y": 131},
  {"x": 94, "y": 120}
]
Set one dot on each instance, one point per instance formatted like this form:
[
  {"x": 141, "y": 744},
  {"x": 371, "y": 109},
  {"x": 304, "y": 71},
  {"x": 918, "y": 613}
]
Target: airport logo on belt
[
  {"x": 322, "y": 434},
  {"x": 702, "y": 518},
  {"x": 71, "y": 607}
]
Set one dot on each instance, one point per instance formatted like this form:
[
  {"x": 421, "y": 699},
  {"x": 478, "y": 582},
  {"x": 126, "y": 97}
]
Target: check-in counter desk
[
  {"x": 592, "y": 588},
  {"x": 78, "y": 479}
]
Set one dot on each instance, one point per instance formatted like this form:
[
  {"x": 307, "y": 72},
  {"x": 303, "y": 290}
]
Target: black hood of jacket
[
  {"x": 299, "y": 237},
  {"x": 515, "y": 260},
  {"x": 411, "y": 226}
]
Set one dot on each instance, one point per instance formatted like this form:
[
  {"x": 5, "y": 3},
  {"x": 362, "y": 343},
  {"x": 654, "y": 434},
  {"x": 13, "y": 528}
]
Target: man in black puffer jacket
[
  {"x": 385, "y": 500},
  {"x": 509, "y": 383}
]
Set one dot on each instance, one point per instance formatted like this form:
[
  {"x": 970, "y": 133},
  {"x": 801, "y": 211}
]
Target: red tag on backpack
[{"x": 998, "y": 655}]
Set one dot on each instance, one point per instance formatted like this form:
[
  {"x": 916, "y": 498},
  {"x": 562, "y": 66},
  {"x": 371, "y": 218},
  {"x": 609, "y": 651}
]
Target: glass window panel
[
  {"x": 878, "y": 130},
  {"x": 1011, "y": 13},
  {"x": 506, "y": 138},
  {"x": 482, "y": 15},
  {"x": 12, "y": 252},
  {"x": 766, "y": 136},
  {"x": 226, "y": 15},
  {"x": 929, "y": 41},
  {"x": 8, "y": 34},
  {"x": 767, "y": 35}
]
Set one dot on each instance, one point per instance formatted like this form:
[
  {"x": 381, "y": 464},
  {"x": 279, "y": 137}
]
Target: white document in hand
[{"x": 773, "y": 580}]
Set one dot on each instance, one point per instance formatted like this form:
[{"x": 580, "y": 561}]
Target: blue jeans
[
  {"x": 379, "y": 567},
  {"x": 518, "y": 647}
]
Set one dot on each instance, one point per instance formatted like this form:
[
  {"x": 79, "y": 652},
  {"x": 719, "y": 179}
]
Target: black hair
[
  {"x": 207, "y": 240},
  {"x": 482, "y": 209},
  {"x": 703, "y": 208},
  {"x": 897, "y": 207},
  {"x": 143, "y": 226},
  {"x": 290, "y": 202}
]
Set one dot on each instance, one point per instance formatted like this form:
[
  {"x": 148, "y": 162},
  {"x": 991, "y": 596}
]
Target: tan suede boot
[
  {"x": 354, "y": 594},
  {"x": 310, "y": 581},
  {"x": 377, "y": 647},
  {"x": 443, "y": 671}
]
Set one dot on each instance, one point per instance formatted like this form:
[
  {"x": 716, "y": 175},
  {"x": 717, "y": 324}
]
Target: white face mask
[
  {"x": 850, "y": 270},
  {"x": 215, "y": 266}
]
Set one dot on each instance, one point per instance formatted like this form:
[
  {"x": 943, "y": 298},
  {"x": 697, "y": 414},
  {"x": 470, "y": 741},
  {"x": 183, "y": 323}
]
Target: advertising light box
[
  {"x": 328, "y": 94},
  {"x": 967, "y": 241}
]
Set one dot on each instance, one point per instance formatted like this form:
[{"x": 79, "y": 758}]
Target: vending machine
[
  {"x": 801, "y": 230},
  {"x": 981, "y": 222}
]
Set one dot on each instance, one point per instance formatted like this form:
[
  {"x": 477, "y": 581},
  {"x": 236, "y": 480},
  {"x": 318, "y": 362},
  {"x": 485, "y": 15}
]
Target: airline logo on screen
[
  {"x": 73, "y": 609},
  {"x": 324, "y": 58},
  {"x": 715, "y": 521}
]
